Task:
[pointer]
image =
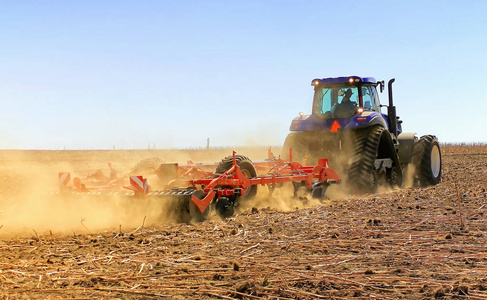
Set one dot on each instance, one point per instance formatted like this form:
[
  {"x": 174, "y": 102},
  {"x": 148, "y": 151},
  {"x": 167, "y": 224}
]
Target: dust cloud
[
  {"x": 409, "y": 174},
  {"x": 30, "y": 202}
]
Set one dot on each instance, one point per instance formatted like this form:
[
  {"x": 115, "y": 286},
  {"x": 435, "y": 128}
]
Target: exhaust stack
[{"x": 391, "y": 110}]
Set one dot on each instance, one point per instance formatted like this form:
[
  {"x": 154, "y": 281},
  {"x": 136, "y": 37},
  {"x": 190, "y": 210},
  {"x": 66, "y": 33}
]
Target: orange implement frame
[{"x": 234, "y": 182}]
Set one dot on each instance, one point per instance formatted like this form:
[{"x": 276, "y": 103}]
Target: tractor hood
[{"x": 313, "y": 123}]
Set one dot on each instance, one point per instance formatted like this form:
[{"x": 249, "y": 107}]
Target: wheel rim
[{"x": 435, "y": 161}]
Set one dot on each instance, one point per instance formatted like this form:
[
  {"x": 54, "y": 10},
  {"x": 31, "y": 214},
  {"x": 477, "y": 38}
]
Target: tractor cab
[
  {"x": 347, "y": 103},
  {"x": 344, "y": 97}
]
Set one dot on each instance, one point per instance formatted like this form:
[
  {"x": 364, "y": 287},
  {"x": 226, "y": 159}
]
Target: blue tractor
[{"x": 367, "y": 147}]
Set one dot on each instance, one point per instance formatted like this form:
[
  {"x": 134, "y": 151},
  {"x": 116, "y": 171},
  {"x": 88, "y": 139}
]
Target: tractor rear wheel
[
  {"x": 247, "y": 168},
  {"x": 370, "y": 144},
  {"x": 427, "y": 160},
  {"x": 361, "y": 175}
]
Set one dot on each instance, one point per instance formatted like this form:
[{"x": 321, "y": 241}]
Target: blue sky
[{"x": 99, "y": 74}]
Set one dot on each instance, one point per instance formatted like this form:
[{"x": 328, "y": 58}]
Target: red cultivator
[{"x": 196, "y": 190}]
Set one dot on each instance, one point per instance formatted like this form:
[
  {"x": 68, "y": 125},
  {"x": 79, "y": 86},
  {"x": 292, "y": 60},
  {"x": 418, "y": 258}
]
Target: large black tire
[
  {"x": 361, "y": 176},
  {"x": 370, "y": 144},
  {"x": 427, "y": 160},
  {"x": 297, "y": 142},
  {"x": 247, "y": 168},
  {"x": 146, "y": 165}
]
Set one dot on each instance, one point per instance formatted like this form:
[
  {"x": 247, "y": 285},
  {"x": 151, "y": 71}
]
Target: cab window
[
  {"x": 368, "y": 98},
  {"x": 335, "y": 102}
]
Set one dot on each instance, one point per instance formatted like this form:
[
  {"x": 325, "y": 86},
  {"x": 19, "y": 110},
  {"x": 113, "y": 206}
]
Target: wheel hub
[{"x": 435, "y": 161}]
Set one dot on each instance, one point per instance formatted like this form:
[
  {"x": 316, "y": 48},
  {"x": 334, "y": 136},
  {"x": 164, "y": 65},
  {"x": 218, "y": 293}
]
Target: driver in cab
[{"x": 346, "y": 108}]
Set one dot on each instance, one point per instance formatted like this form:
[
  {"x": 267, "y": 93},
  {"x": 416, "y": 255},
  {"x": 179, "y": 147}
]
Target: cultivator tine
[
  {"x": 296, "y": 187},
  {"x": 271, "y": 188}
]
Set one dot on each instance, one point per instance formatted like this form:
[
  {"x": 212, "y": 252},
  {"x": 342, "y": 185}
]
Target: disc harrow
[{"x": 195, "y": 189}]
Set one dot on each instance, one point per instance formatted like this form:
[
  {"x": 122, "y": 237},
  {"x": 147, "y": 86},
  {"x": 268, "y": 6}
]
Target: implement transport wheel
[
  {"x": 146, "y": 165},
  {"x": 194, "y": 211},
  {"x": 247, "y": 168},
  {"x": 427, "y": 160}
]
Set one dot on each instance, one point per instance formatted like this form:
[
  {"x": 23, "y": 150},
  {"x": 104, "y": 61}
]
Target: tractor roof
[{"x": 338, "y": 80}]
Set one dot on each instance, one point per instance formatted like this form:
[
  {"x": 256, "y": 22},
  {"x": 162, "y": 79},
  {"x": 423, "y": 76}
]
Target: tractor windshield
[
  {"x": 335, "y": 102},
  {"x": 370, "y": 98}
]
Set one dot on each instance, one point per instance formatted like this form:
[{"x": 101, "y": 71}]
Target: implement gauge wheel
[
  {"x": 427, "y": 160},
  {"x": 247, "y": 168}
]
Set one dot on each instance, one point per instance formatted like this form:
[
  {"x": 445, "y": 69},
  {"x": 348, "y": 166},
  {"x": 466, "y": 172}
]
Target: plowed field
[{"x": 400, "y": 244}]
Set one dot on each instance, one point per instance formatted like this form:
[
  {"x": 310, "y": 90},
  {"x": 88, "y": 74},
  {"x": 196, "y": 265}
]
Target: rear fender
[
  {"x": 377, "y": 119},
  {"x": 406, "y": 146}
]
